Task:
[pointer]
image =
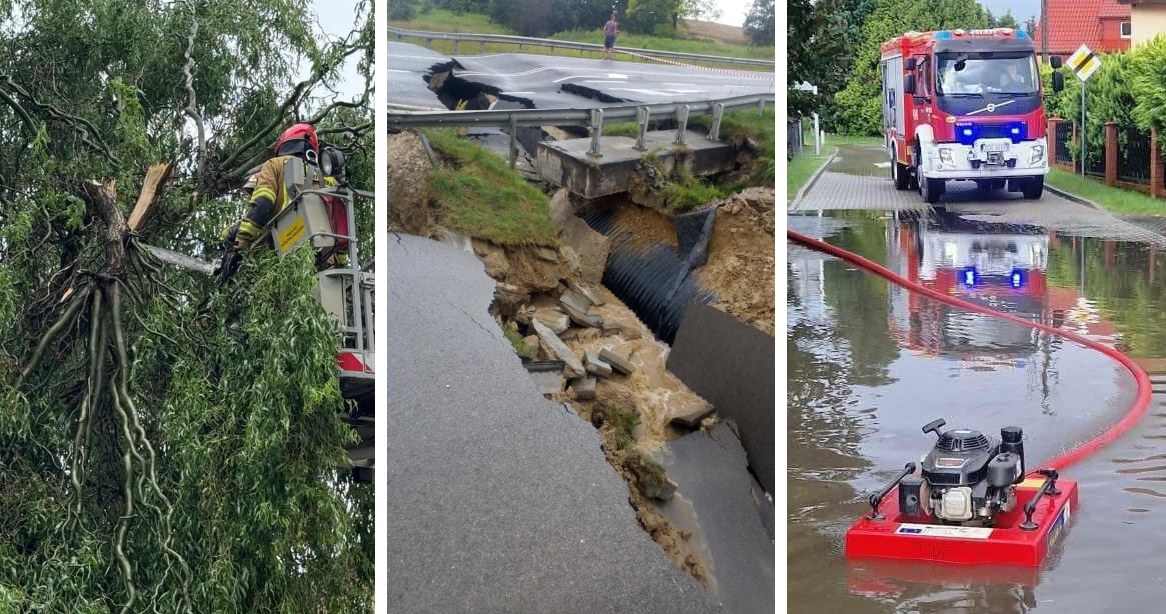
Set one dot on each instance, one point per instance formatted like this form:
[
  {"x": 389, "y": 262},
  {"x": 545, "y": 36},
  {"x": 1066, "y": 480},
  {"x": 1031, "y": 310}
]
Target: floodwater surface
[{"x": 869, "y": 364}]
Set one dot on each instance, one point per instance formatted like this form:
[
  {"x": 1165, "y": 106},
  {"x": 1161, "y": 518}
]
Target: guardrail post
[
  {"x": 596, "y": 132},
  {"x": 715, "y": 130},
  {"x": 513, "y": 140},
  {"x": 481, "y": 46},
  {"x": 642, "y": 117},
  {"x": 681, "y": 123},
  {"x": 761, "y": 107},
  {"x": 455, "y": 41}
]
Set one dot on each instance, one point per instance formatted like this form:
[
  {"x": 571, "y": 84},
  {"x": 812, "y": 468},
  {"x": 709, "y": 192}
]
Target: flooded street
[{"x": 870, "y": 363}]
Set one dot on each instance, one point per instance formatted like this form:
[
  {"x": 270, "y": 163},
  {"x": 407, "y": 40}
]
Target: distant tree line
[{"x": 834, "y": 45}]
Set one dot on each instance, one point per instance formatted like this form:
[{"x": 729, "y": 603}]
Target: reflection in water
[{"x": 868, "y": 363}]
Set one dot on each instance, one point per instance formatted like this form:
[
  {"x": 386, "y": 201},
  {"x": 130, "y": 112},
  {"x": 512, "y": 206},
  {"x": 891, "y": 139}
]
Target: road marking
[
  {"x": 883, "y": 164},
  {"x": 620, "y": 82},
  {"x": 393, "y": 70},
  {"x": 509, "y": 93}
]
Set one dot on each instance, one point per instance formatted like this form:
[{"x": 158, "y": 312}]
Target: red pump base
[{"x": 912, "y": 538}]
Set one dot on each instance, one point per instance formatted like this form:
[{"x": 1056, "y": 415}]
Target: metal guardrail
[
  {"x": 594, "y": 119},
  {"x": 482, "y": 39}
]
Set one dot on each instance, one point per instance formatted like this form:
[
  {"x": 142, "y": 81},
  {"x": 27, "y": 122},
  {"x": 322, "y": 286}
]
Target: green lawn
[
  {"x": 481, "y": 196},
  {"x": 1116, "y": 200},
  {"x": 832, "y": 140},
  {"x": 798, "y": 172},
  {"x": 448, "y": 21}
]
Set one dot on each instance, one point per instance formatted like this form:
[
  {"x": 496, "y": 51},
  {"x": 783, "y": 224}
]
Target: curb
[
  {"x": 1073, "y": 197},
  {"x": 793, "y": 204}
]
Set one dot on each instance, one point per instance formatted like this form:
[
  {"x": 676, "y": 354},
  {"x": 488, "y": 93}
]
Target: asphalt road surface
[
  {"x": 859, "y": 179},
  {"x": 550, "y": 82},
  {"x": 499, "y": 500},
  {"x": 407, "y": 64}
]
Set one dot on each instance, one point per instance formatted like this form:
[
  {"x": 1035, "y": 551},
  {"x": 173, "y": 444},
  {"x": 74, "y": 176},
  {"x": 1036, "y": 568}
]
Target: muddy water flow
[{"x": 869, "y": 364}]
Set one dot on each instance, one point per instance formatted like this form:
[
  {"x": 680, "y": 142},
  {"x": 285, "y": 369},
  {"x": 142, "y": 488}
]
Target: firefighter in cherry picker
[{"x": 272, "y": 187}]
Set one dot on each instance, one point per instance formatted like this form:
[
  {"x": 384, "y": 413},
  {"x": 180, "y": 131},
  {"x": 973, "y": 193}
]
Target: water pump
[{"x": 966, "y": 478}]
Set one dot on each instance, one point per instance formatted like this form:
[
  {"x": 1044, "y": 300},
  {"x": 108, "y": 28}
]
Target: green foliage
[
  {"x": 760, "y": 22},
  {"x": 1108, "y": 98},
  {"x": 484, "y": 198},
  {"x": 510, "y": 330},
  {"x": 206, "y": 480},
  {"x": 402, "y": 10},
  {"x": 685, "y": 192},
  {"x": 860, "y": 110},
  {"x": 1147, "y": 82},
  {"x": 624, "y": 421}
]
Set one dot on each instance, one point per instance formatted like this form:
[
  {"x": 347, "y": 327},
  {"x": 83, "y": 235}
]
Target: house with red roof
[
  {"x": 1103, "y": 25},
  {"x": 1147, "y": 19}
]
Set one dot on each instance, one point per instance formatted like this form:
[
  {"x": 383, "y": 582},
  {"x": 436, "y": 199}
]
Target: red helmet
[{"x": 299, "y": 131}]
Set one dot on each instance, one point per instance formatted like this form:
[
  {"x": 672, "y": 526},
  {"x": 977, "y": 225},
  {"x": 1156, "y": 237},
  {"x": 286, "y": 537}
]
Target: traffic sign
[{"x": 1083, "y": 62}]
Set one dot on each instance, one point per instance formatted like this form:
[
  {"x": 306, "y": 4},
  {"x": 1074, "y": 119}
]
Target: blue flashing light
[
  {"x": 1017, "y": 278},
  {"x": 968, "y": 277},
  {"x": 943, "y": 35},
  {"x": 1021, "y": 35}
]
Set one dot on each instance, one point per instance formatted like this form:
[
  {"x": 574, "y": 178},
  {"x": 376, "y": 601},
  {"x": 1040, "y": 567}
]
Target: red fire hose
[{"x": 1135, "y": 412}]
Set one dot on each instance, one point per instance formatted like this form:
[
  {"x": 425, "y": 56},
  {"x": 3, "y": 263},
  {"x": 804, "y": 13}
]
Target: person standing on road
[{"x": 610, "y": 29}]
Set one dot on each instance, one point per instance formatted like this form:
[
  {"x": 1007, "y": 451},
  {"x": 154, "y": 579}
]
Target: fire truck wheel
[
  {"x": 931, "y": 190},
  {"x": 901, "y": 173},
  {"x": 1034, "y": 187}
]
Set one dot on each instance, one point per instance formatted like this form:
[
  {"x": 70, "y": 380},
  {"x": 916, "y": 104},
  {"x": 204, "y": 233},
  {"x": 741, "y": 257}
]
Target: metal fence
[
  {"x": 1063, "y": 143},
  {"x": 1133, "y": 155},
  {"x": 794, "y": 137}
]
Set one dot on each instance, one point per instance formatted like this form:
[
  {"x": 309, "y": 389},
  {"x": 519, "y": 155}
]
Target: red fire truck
[{"x": 965, "y": 105}]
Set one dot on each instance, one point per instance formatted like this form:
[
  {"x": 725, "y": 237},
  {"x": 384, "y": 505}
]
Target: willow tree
[{"x": 168, "y": 443}]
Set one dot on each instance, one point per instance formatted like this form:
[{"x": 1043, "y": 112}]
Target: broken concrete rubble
[
  {"x": 588, "y": 291},
  {"x": 584, "y": 388},
  {"x": 582, "y": 318},
  {"x": 574, "y": 368},
  {"x": 595, "y": 365},
  {"x": 616, "y": 362},
  {"x": 547, "y": 375},
  {"x": 575, "y": 300},
  {"x": 553, "y": 319}
]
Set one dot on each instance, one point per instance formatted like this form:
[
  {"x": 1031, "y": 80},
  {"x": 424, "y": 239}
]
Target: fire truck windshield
[{"x": 976, "y": 74}]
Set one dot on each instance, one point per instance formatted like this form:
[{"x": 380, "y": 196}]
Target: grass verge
[
  {"x": 447, "y": 21},
  {"x": 1116, "y": 200},
  {"x": 798, "y": 172},
  {"x": 510, "y": 330},
  {"x": 482, "y": 197},
  {"x": 623, "y": 421}
]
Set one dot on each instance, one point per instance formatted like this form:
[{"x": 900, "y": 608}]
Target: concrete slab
[
  {"x": 595, "y": 365},
  {"x": 730, "y": 512},
  {"x": 574, "y": 368},
  {"x": 553, "y": 319},
  {"x": 582, "y": 318},
  {"x": 547, "y": 375},
  {"x": 568, "y": 164},
  {"x": 502, "y": 501},
  {"x": 575, "y": 300},
  {"x": 589, "y": 291},
  {"x": 584, "y": 388},
  {"x": 617, "y": 362}
]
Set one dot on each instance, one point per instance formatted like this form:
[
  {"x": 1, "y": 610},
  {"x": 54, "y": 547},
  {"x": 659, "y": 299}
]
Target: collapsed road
[
  {"x": 557, "y": 82},
  {"x": 500, "y": 500}
]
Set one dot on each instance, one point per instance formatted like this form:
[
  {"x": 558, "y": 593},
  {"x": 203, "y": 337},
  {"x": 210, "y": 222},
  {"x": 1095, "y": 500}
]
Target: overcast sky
[
  {"x": 733, "y": 11},
  {"x": 336, "y": 18}
]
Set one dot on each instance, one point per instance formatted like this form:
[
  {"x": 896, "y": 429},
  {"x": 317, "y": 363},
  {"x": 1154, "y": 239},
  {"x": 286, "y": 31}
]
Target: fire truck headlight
[{"x": 1038, "y": 154}]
